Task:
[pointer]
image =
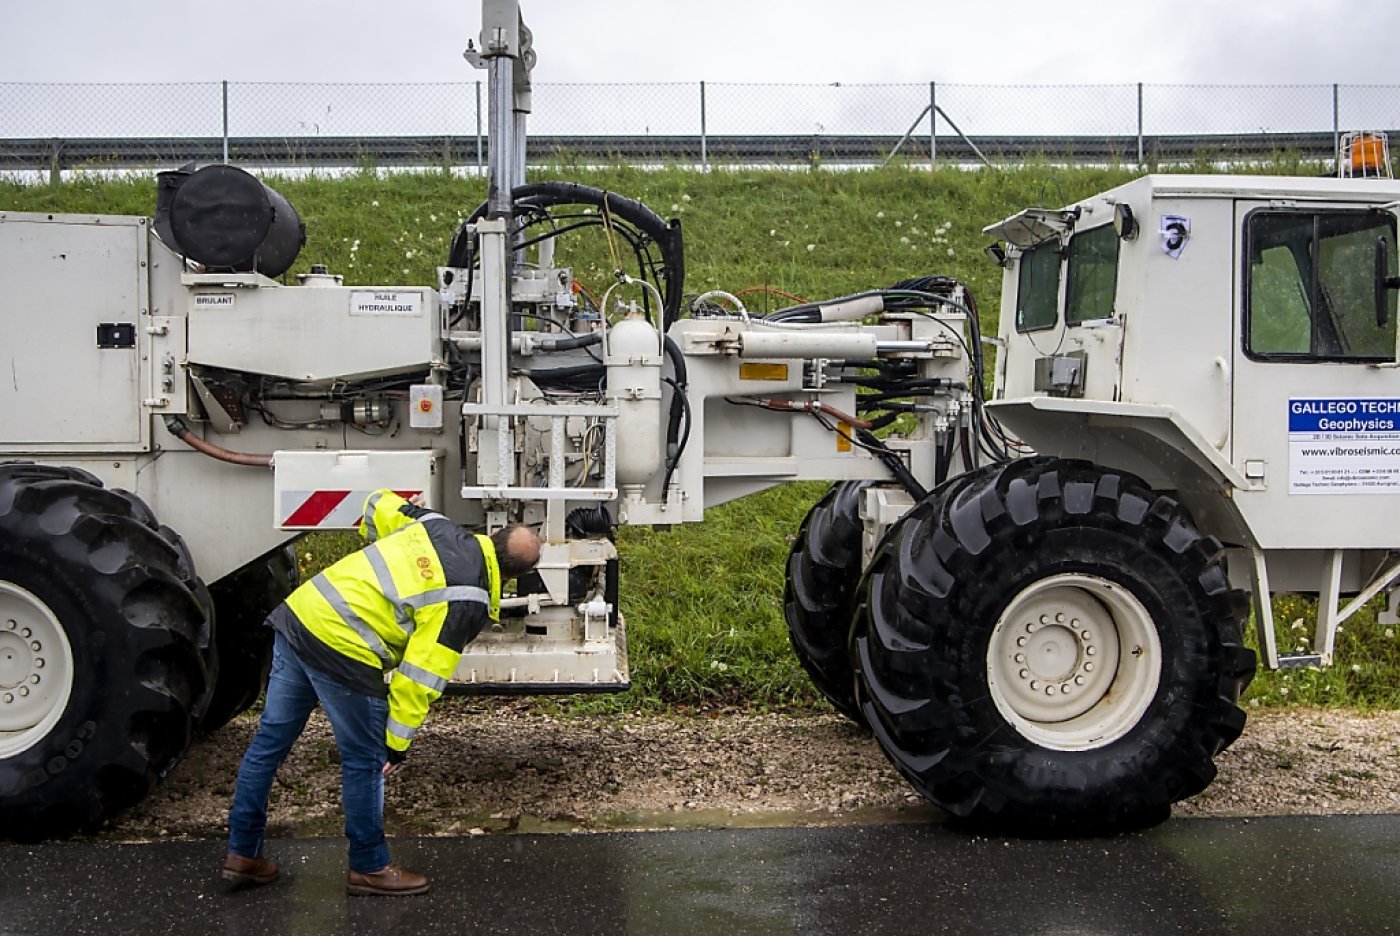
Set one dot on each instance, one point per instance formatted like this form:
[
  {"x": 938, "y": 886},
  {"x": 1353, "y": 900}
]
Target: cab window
[
  {"x": 1038, "y": 287},
  {"x": 1092, "y": 278},
  {"x": 1309, "y": 294}
]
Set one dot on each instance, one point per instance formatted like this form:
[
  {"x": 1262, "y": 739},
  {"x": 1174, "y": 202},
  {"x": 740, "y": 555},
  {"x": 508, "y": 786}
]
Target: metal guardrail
[{"x": 56, "y": 155}]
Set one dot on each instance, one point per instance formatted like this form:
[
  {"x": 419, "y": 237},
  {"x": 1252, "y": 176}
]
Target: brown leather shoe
[
  {"x": 248, "y": 872},
  {"x": 388, "y": 881}
]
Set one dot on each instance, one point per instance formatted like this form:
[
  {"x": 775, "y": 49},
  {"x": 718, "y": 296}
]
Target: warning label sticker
[
  {"x": 1344, "y": 446},
  {"x": 213, "y": 300},
  {"x": 375, "y": 302}
]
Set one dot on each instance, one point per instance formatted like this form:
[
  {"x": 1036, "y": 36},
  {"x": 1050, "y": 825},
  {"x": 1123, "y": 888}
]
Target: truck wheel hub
[
  {"x": 36, "y": 669},
  {"x": 1073, "y": 661}
]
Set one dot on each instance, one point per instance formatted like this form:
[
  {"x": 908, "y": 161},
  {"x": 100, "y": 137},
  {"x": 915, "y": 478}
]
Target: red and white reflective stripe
[{"x": 326, "y": 509}]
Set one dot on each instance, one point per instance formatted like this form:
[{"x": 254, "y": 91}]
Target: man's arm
[
  {"x": 442, "y": 633},
  {"x": 386, "y": 512}
]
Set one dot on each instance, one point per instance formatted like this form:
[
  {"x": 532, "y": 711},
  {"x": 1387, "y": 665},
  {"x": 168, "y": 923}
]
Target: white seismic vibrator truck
[{"x": 1025, "y": 598}]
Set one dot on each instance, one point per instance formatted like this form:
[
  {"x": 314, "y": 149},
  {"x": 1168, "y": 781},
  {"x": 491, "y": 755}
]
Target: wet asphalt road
[{"x": 1290, "y": 876}]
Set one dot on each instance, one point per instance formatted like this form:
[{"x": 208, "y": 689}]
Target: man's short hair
[{"x": 511, "y": 564}]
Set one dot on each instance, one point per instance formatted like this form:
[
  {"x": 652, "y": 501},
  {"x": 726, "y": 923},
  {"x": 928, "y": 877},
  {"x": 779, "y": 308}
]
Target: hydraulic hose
[
  {"x": 179, "y": 430},
  {"x": 545, "y": 195},
  {"x": 680, "y": 407},
  {"x": 570, "y": 342},
  {"x": 894, "y": 463}
]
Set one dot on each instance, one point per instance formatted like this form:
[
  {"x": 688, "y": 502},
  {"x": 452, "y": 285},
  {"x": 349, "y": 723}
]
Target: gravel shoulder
[{"x": 485, "y": 767}]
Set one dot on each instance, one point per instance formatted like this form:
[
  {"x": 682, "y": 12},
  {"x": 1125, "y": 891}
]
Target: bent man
[{"x": 404, "y": 607}]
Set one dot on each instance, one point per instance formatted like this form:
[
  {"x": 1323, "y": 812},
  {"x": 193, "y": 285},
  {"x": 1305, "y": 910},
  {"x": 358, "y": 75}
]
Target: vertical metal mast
[{"x": 508, "y": 59}]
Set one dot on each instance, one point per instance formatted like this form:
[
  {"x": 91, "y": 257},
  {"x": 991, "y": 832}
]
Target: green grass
[{"x": 703, "y": 602}]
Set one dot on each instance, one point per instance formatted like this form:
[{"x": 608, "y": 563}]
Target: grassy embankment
[{"x": 703, "y": 603}]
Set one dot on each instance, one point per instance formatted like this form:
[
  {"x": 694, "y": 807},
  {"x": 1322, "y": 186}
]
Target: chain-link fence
[{"x": 66, "y": 126}]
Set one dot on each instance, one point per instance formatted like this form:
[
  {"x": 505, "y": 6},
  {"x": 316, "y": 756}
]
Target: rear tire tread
[{"x": 97, "y": 559}]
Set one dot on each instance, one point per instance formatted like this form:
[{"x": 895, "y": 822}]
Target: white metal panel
[
  {"x": 247, "y": 323},
  {"x": 1262, "y": 391},
  {"x": 1179, "y": 315},
  {"x": 1373, "y": 191},
  {"x": 64, "y": 275},
  {"x": 327, "y": 490}
]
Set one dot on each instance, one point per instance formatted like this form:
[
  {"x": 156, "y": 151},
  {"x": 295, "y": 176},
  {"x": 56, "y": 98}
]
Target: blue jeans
[{"x": 358, "y": 722}]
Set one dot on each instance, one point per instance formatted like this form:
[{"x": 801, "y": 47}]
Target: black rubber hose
[
  {"x": 545, "y": 374},
  {"x": 590, "y": 521},
  {"x": 677, "y": 394},
  {"x": 544, "y": 195},
  {"x": 570, "y": 342},
  {"x": 675, "y": 446},
  {"x": 880, "y": 422},
  {"x": 894, "y": 463}
]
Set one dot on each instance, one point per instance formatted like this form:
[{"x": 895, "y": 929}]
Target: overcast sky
[{"x": 820, "y": 41}]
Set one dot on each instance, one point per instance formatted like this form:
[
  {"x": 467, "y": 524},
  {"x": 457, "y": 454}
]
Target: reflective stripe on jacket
[{"x": 408, "y": 603}]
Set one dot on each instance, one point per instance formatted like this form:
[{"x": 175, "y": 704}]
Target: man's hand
[
  {"x": 388, "y": 768},
  {"x": 417, "y": 500}
]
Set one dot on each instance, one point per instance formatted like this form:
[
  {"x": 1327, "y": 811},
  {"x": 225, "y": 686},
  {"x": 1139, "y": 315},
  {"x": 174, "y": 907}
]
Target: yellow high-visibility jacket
[{"x": 406, "y": 604}]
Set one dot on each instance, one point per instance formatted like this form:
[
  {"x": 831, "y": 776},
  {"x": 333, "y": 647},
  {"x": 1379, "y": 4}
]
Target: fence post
[
  {"x": 1139, "y": 162},
  {"x": 932, "y": 124},
  {"x": 1336, "y": 129},
  {"x": 704, "y": 137},
  {"x": 478, "y": 127},
  {"x": 225, "y": 123}
]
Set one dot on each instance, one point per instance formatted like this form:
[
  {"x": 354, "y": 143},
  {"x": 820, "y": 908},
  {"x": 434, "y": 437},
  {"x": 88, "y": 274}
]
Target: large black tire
[
  {"x": 208, "y": 650},
  {"x": 101, "y": 688},
  {"x": 1050, "y": 647},
  {"x": 242, "y": 600},
  {"x": 822, "y": 572}
]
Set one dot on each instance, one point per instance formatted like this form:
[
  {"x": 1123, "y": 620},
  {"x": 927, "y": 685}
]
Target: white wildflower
[
  {"x": 1253, "y": 703},
  {"x": 685, "y": 198},
  {"x": 432, "y": 217},
  {"x": 879, "y": 215},
  {"x": 904, "y": 240},
  {"x": 1390, "y": 633},
  {"x": 811, "y": 247},
  {"x": 1356, "y": 667},
  {"x": 951, "y": 252},
  {"x": 899, "y": 224},
  {"x": 675, "y": 207},
  {"x": 1283, "y": 690},
  {"x": 717, "y": 665},
  {"x": 374, "y": 204},
  {"x": 408, "y": 254},
  {"x": 772, "y": 232}
]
